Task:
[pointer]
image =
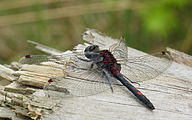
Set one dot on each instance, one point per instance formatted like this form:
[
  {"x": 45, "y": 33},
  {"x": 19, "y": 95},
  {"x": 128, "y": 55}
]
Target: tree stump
[{"x": 31, "y": 96}]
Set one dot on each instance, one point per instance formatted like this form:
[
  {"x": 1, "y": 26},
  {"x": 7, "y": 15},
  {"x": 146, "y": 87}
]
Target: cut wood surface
[{"x": 31, "y": 96}]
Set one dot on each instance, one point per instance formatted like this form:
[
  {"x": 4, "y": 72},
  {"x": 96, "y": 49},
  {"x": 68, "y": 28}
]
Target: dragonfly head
[{"x": 91, "y": 51}]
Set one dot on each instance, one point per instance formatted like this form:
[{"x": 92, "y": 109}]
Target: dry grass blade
[
  {"x": 6, "y": 4},
  {"x": 70, "y": 11}
]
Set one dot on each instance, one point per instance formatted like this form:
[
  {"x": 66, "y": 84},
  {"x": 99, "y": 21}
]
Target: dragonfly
[{"x": 100, "y": 68}]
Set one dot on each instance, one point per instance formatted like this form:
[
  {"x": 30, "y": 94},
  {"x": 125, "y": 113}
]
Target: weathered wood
[
  {"x": 44, "y": 48},
  {"x": 171, "y": 92},
  {"x": 180, "y": 57}
]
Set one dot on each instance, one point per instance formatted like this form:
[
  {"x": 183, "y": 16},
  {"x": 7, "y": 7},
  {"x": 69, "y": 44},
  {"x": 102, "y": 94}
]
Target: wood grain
[{"x": 170, "y": 92}]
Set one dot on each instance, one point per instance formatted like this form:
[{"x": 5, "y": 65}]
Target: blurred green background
[{"x": 148, "y": 25}]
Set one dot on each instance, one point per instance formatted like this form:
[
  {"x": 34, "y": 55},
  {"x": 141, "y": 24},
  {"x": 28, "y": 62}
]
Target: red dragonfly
[{"x": 103, "y": 67}]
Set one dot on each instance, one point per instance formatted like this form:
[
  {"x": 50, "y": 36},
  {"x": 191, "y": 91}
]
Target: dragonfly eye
[
  {"x": 93, "y": 48},
  {"x": 90, "y": 49}
]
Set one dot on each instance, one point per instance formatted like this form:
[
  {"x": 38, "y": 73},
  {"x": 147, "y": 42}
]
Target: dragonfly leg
[
  {"x": 105, "y": 74},
  {"x": 85, "y": 60},
  {"x": 130, "y": 80},
  {"x": 119, "y": 66},
  {"x": 91, "y": 67}
]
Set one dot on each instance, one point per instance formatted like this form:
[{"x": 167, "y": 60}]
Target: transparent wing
[
  {"x": 80, "y": 80},
  {"x": 140, "y": 68},
  {"x": 38, "y": 59},
  {"x": 119, "y": 50},
  {"x": 146, "y": 67},
  {"x": 87, "y": 82}
]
